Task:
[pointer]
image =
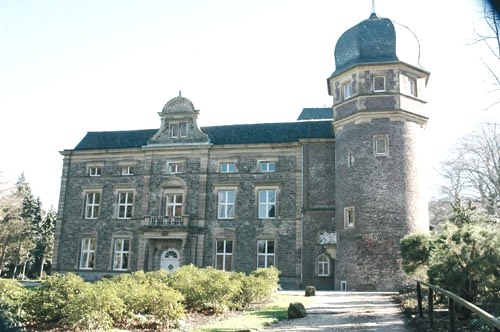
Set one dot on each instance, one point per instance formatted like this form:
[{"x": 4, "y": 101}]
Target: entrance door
[{"x": 170, "y": 260}]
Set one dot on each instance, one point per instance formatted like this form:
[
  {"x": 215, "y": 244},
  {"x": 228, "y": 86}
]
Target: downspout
[{"x": 302, "y": 218}]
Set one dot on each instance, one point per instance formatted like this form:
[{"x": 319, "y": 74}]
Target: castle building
[{"x": 325, "y": 199}]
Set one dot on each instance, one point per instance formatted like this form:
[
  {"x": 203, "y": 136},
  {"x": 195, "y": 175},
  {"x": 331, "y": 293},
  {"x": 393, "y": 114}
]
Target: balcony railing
[{"x": 165, "y": 222}]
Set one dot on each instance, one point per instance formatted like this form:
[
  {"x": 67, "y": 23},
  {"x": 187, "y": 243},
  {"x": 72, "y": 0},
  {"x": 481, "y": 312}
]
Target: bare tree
[{"x": 474, "y": 170}]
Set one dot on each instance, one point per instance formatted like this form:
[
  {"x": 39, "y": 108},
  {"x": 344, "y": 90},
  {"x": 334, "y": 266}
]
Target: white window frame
[
  {"x": 266, "y": 254},
  {"x": 323, "y": 266},
  {"x": 174, "y": 130},
  {"x": 375, "y": 85},
  {"x": 88, "y": 253},
  {"x": 266, "y": 166},
  {"x": 127, "y": 170},
  {"x": 226, "y": 207},
  {"x": 183, "y": 129},
  {"x": 95, "y": 170},
  {"x": 179, "y": 129},
  {"x": 349, "y": 217},
  {"x": 224, "y": 255},
  {"x": 377, "y": 141},
  {"x": 92, "y": 205},
  {"x": 174, "y": 204},
  {"x": 127, "y": 205},
  {"x": 227, "y": 167},
  {"x": 346, "y": 90},
  {"x": 121, "y": 254},
  {"x": 266, "y": 205},
  {"x": 175, "y": 167}
]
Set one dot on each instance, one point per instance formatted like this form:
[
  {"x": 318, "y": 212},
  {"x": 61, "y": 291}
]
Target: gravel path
[{"x": 347, "y": 311}]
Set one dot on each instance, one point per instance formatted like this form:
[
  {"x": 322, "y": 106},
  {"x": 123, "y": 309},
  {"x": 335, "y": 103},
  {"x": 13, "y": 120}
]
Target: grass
[{"x": 262, "y": 316}]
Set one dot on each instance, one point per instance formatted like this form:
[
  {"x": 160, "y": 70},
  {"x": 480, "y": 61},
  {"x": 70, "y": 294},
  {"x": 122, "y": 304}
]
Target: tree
[
  {"x": 474, "y": 170},
  {"x": 462, "y": 255}
]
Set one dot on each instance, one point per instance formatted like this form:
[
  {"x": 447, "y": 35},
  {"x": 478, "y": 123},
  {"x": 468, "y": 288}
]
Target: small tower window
[
  {"x": 346, "y": 90},
  {"x": 349, "y": 217},
  {"x": 409, "y": 85},
  {"x": 350, "y": 159},
  {"x": 381, "y": 145},
  {"x": 379, "y": 84}
]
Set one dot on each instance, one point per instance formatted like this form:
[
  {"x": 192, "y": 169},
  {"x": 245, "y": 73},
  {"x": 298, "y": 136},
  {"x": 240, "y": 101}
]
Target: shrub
[
  {"x": 12, "y": 297},
  {"x": 96, "y": 308},
  {"x": 47, "y": 302}
]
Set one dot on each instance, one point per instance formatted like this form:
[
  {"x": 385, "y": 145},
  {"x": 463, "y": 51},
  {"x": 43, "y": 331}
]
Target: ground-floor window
[
  {"x": 121, "y": 254},
  {"x": 265, "y": 253},
  {"x": 87, "y": 253},
  {"x": 323, "y": 266},
  {"x": 224, "y": 255}
]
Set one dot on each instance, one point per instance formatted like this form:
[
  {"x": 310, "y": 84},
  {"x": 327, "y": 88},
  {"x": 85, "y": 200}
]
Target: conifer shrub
[{"x": 12, "y": 297}]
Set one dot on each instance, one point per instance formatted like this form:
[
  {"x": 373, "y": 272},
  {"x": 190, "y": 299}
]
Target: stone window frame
[
  {"x": 321, "y": 264},
  {"x": 88, "y": 253},
  {"x": 224, "y": 255},
  {"x": 346, "y": 89},
  {"x": 128, "y": 204},
  {"x": 95, "y": 170},
  {"x": 94, "y": 206},
  {"x": 349, "y": 217},
  {"x": 267, "y": 166},
  {"x": 226, "y": 205},
  {"x": 374, "y": 85},
  {"x": 267, "y": 203},
  {"x": 266, "y": 255},
  {"x": 227, "y": 167},
  {"x": 118, "y": 255},
  {"x": 176, "y": 166},
  {"x": 377, "y": 140}
]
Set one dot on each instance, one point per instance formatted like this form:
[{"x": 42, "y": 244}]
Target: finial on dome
[
  {"x": 180, "y": 93},
  {"x": 373, "y": 13}
]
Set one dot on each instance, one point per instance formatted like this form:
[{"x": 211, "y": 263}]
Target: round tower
[{"x": 378, "y": 107}]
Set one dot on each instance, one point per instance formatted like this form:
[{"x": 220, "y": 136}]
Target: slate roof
[
  {"x": 231, "y": 134},
  {"x": 318, "y": 113}
]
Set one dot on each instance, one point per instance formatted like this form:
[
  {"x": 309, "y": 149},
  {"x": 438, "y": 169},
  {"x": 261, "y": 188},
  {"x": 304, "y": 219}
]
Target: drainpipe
[{"x": 302, "y": 217}]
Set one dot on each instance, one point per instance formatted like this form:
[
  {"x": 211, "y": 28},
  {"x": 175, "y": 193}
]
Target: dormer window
[
  {"x": 178, "y": 129},
  {"x": 346, "y": 90},
  {"x": 378, "y": 83}
]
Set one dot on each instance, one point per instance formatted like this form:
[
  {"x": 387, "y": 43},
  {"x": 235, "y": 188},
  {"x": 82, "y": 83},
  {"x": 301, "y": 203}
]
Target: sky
[{"x": 72, "y": 66}]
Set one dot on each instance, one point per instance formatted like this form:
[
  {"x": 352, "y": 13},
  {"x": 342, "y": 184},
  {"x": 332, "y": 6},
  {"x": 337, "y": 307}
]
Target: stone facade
[{"x": 325, "y": 200}]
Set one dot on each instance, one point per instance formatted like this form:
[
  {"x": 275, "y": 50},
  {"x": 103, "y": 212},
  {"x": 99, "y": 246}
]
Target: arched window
[{"x": 323, "y": 266}]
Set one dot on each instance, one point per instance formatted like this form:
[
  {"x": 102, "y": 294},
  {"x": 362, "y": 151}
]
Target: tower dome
[
  {"x": 178, "y": 104},
  {"x": 376, "y": 40}
]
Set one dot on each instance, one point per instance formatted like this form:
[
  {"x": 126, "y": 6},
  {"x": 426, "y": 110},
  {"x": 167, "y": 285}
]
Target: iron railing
[{"x": 166, "y": 221}]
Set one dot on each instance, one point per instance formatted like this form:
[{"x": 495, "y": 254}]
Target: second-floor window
[
  {"x": 227, "y": 167},
  {"x": 267, "y": 204},
  {"x": 127, "y": 170},
  {"x": 267, "y": 166},
  {"x": 175, "y": 168},
  {"x": 95, "y": 171},
  {"x": 225, "y": 207},
  {"x": 125, "y": 205},
  {"x": 92, "y": 203},
  {"x": 174, "y": 203}
]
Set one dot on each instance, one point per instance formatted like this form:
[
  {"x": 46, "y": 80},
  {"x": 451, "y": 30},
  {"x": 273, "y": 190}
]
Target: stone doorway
[{"x": 170, "y": 260}]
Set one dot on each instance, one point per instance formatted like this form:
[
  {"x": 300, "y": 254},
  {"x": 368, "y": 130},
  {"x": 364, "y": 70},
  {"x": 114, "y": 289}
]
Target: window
[
  {"x": 125, "y": 205},
  {"x": 178, "y": 130},
  {"x": 127, "y": 170},
  {"x": 267, "y": 166},
  {"x": 174, "y": 205},
  {"x": 265, "y": 253},
  {"x": 379, "y": 83},
  {"x": 267, "y": 204},
  {"x": 227, "y": 167},
  {"x": 381, "y": 145},
  {"x": 350, "y": 159},
  {"x": 323, "y": 266},
  {"x": 92, "y": 201},
  {"x": 224, "y": 255},
  {"x": 225, "y": 208},
  {"x": 346, "y": 90},
  {"x": 175, "y": 168},
  {"x": 409, "y": 85},
  {"x": 95, "y": 171},
  {"x": 343, "y": 285},
  {"x": 121, "y": 254},
  {"x": 349, "y": 216},
  {"x": 87, "y": 253}
]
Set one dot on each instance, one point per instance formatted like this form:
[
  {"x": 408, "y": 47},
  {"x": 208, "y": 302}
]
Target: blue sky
[{"x": 72, "y": 66}]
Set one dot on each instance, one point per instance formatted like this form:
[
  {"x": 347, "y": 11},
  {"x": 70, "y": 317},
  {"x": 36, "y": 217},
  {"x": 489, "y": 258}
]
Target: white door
[{"x": 170, "y": 260}]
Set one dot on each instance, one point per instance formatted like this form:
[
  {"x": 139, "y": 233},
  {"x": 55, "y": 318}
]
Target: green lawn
[{"x": 260, "y": 317}]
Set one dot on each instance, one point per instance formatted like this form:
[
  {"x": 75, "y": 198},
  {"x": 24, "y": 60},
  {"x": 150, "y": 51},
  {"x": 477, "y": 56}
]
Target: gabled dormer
[{"x": 178, "y": 124}]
